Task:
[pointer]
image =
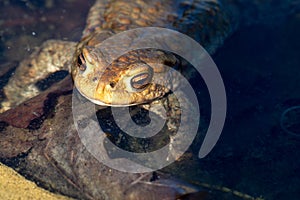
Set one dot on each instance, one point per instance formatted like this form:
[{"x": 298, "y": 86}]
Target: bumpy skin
[
  {"x": 126, "y": 81},
  {"x": 202, "y": 20},
  {"x": 112, "y": 86},
  {"x": 40, "y": 136},
  {"x": 207, "y": 21},
  {"x": 55, "y": 153},
  {"x": 52, "y": 56}
]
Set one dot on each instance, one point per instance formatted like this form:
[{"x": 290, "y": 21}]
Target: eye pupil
[
  {"x": 140, "y": 81},
  {"x": 81, "y": 62}
]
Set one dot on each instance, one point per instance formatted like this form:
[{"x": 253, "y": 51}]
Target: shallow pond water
[{"x": 260, "y": 68}]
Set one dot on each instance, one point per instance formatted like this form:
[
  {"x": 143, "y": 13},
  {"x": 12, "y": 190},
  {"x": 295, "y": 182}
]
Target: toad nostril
[
  {"x": 112, "y": 84},
  {"x": 82, "y": 68},
  {"x": 95, "y": 79}
]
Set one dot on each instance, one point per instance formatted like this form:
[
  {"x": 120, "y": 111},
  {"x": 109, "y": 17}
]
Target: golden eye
[
  {"x": 141, "y": 80},
  {"x": 81, "y": 62}
]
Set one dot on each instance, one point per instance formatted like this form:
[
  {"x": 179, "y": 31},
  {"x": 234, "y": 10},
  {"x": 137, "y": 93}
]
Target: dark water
[{"x": 260, "y": 66}]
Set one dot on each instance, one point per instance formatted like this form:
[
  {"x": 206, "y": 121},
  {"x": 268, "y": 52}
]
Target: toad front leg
[
  {"x": 181, "y": 118},
  {"x": 27, "y": 81}
]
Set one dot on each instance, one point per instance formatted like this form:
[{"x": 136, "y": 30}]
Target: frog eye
[
  {"x": 141, "y": 80},
  {"x": 81, "y": 62}
]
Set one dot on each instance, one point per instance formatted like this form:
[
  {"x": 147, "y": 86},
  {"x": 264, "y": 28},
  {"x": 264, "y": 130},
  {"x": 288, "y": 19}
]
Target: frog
[
  {"x": 47, "y": 149},
  {"x": 209, "y": 22},
  {"x": 103, "y": 22}
]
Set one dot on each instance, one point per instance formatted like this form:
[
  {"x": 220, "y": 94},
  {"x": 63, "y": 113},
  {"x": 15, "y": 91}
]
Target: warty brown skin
[
  {"x": 201, "y": 20},
  {"x": 52, "y": 153}
]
